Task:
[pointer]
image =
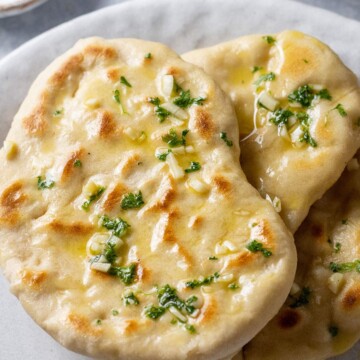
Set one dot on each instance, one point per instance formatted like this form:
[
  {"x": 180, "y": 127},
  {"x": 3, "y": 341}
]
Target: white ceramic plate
[
  {"x": 15, "y": 7},
  {"x": 183, "y": 25}
]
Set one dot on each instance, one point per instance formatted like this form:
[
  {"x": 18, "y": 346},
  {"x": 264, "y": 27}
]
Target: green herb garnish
[
  {"x": 206, "y": 281},
  {"x": 302, "y": 299},
  {"x": 118, "y": 226},
  {"x": 194, "y": 166},
  {"x": 233, "y": 286},
  {"x": 124, "y": 81},
  {"x": 304, "y": 95},
  {"x": 305, "y": 61},
  {"x": 118, "y": 100},
  {"x": 269, "y": 39},
  {"x": 92, "y": 198},
  {"x": 324, "y": 94},
  {"x": 132, "y": 201},
  {"x": 148, "y": 56},
  {"x": 58, "y": 112},
  {"x": 333, "y": 330},
  {"x": 154, "y": 312},
  {"x": 190, "y": 328},
  {"x": 98, "y": 322},
  {"x": 160, "y": 112},
  {"x": 125, "y": 273},
  {"x": 305, "y": 126},
  {"x": 110, "y": 252},
  {"x": 337, "y": 247},
  {"x": 77, "y": 163},
  {"x": 168, "y": 297},
  {"x": 163, "y": 155},
  {"x": 213, "y": 258},
  {"x": 266, "y": 77},
  {"x": 224, "y": 137},
  {"x": 255, "y": 69},
  {"x": 256, "y": 246},
  {"x": 185, "y": 100},
  {"x": 131, "y": 299},
  {"x": 281, "y": 117},
  {"x": 44, "y": 184},
  {"x": 115, "y": 312},
  {"x": 345, "y": 267},
  {"x": 340, "y": 109},
  {"x": 174, "y": 140}
]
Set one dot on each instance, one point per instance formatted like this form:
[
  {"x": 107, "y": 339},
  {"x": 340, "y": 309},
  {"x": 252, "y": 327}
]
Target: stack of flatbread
[{"x": 131, "y": 226}]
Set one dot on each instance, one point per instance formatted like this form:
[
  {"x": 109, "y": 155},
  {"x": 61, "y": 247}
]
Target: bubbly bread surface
[
  {"x": 127, "y": 228},
  {"x": 320, "y": 316},
  {"x": 298, "y": 112}
]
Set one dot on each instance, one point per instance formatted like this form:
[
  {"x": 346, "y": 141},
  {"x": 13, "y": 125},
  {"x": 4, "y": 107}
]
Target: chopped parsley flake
[
  {"x": 168, "y": 297},
  {"x": 98, "y": 322},
  {"x": 110, "y": 252},
  {"x": 340, "y": 109},
  {"x": 269, "y": 39},
  {"x": 324, "y": 94},
  {"x": 44, "y": 184},
  {"x": 224, "y": 137},
  {"x": 281, "y": 117},
  {"x": 266, "y": 77},
  {"x": 154, "y": 312},
  {"x": 160, "y": 112},
  {"x": 194, "y": 166},
  {"x": 333, "y": 330},
  {"x": 125, "y": 273},
  {"x": 131, "y": 299},
  {"x": 148, "y": 56},
  {"x": 302, "y": 299},
  {"x": 256, "y": 246},
  {"x": 118, "y": 100},
  {"x": 124, "y": 81},
  {"x": 337, "y": 247},
  {"x": 77, "y": 163},
  {"x": 305, "y": 61},
  {"x": 132, "y": 201},
  {"x": 117, "y": 96},
  {"x": 174, "y": 140},
  {"x": 305, "y": 121},
  {"x": 255, "y": 69},
  {"x": 304, "y": 95},
  {"x": 206, "y": 281},
  {"x": 190, "y": 328},
  {"x": 115, "y": 312},
  {"x": 185, "y": 100},
  {"x": 163, "y": 156},
  {"x": 345, "y": 267},
  {"x": 117, "y": 225},
  {"x": 233, "y": 286},
  {"x": 58, "y": 112},
  {"x": 213, "y": 258},
  {"x": 92, "y": 198}
]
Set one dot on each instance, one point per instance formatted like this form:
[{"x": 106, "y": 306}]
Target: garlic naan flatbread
[
  {"x": 128, "y": 230},
  {"x": 321, "y": 315},
  {"x": 298, "y": 111}
]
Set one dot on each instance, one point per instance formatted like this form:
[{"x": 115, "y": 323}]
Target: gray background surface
[{"x": 16, "y": 30}]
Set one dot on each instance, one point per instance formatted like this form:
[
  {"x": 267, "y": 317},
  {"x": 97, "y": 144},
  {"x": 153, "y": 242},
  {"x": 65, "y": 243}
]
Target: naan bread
[
  {"x": 292, "y": 149},
  {"x": 321, "y": 316},
  {"x": 110, "y": 244}
]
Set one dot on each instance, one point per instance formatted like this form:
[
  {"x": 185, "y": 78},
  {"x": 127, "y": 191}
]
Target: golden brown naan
[
  {"x": 110, "y": 244},
  {"x": 293, "y": 149},
  {"x": 320, "y": 318}
]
